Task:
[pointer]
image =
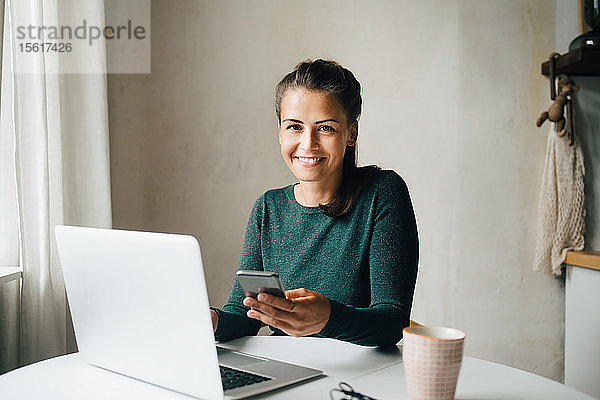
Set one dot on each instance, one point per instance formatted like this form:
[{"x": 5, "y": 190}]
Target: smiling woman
[
  {"x": 314, "y": 151},
  {"x": 343, "y": 238},
  {"x": 330, "y": 94}
]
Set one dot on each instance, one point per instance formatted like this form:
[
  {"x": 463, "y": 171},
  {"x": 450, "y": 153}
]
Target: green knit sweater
[{"x": 364, "y": 262}]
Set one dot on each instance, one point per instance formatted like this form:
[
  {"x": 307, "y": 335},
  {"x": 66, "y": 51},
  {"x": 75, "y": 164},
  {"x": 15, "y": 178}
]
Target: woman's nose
[{"x": 308, "y": 139}]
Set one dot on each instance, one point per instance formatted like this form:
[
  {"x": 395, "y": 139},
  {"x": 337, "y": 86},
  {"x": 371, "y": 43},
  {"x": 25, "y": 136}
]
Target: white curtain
[{"x": 54, "y": 169}]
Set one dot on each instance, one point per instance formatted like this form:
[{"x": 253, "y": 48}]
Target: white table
[{"x": 370, "y": 371}]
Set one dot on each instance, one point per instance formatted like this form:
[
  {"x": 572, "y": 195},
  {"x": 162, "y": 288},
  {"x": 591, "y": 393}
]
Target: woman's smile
[{"x": 309, "y": 161}]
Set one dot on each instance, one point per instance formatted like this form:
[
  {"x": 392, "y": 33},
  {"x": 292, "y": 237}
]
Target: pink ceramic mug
[{"x": 432, "y": 357}]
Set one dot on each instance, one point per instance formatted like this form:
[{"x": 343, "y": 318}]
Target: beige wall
[{"x": 451, "y": 93}]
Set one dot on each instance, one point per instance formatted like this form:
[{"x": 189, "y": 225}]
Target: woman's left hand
[{"x": 302, "y": 313}]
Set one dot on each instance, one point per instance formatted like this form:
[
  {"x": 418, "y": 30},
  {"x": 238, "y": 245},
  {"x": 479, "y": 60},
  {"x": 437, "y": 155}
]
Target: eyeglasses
[{"x": 347, "y": 393}]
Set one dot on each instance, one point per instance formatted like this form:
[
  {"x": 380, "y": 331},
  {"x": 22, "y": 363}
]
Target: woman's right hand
[{"x": 215, "y": 319}]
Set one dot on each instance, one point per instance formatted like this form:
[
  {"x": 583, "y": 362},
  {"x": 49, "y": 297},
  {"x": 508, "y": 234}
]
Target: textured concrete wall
[{"x": 451, "y": 93}]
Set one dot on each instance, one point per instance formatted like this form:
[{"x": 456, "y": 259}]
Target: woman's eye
[
  {"x": 327, "y": 128},
  {"x": 294, "y": 127}
]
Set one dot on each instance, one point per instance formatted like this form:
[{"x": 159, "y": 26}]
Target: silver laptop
[{"x": 140, "y": 308}]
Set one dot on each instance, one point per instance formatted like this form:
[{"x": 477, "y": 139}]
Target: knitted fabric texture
[
  {"x": 364, "y": 262},
  {"x": 560, "y": 220}
]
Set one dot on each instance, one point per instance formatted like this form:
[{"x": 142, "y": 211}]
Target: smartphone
[{"x": 255, "y": 282}]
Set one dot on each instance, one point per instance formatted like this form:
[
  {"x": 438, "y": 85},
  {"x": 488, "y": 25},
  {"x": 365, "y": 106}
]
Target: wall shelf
[
  {"x": 582, "y": 61},
  {"x": 586, "y": 259}
]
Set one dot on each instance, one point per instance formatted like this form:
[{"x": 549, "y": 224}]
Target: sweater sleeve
[
  {"x": 233, "y": 322},
  {"x": 393, "y": 258}
]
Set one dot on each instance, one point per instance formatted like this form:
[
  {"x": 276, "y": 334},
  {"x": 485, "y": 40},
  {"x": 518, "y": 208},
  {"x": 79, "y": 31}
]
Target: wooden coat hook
[{"x": 563, "y": 96}]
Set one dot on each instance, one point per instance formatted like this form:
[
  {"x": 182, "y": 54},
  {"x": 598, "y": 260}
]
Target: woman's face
[{"x": 313, "y": 135}]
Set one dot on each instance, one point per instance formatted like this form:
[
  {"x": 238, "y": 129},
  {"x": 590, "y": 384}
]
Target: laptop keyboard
[{"x": 233, "y": 378}]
